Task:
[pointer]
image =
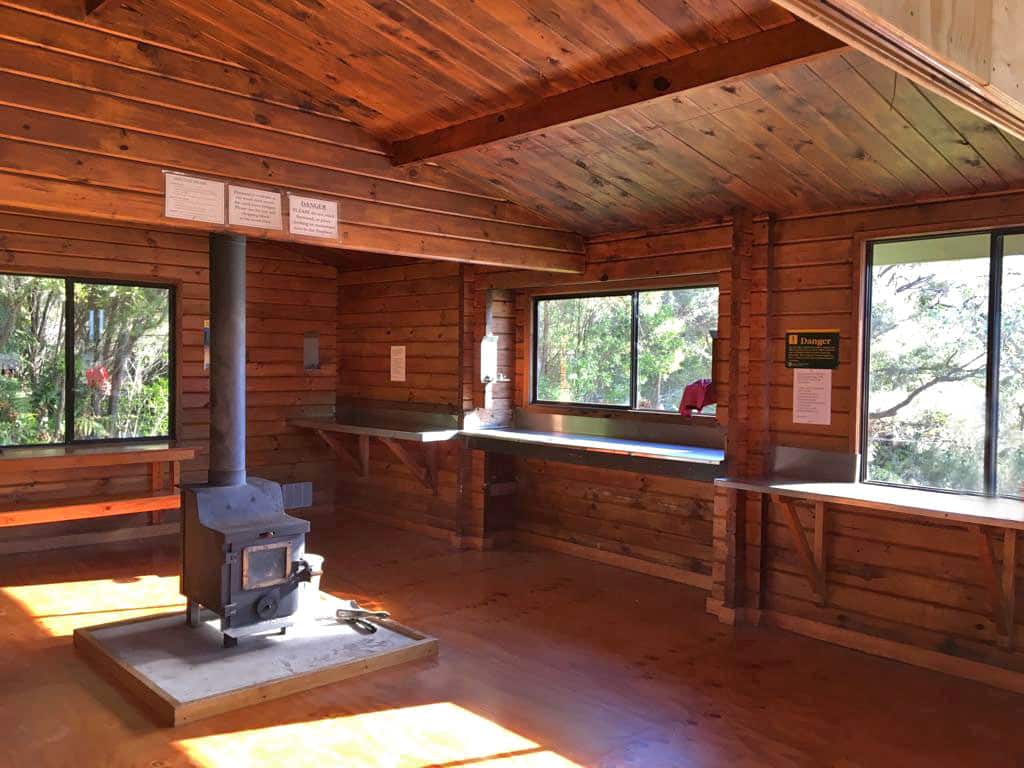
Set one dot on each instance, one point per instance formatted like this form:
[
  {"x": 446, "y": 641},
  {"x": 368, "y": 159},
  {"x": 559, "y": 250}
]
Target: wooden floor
[{"x": 546, "y": 662}]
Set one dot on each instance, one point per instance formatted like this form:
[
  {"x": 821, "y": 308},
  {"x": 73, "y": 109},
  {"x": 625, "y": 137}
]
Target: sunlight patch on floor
[
  {"x": 442, "y": 735},
  {"x": 61, "y": 608}
]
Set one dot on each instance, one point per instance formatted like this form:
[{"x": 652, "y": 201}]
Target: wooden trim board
[{"x": 95, "y": 644}]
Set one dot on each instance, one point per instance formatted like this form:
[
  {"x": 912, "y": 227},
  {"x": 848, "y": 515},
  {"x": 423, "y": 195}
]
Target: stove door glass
[{"x": 264, "y": 565}]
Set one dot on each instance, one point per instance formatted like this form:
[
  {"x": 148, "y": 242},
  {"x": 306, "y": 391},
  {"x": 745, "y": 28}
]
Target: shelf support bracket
[
  {"x": 424, "y": 470},
  {"x": 1002, "y": 586},
  {"x": 813, "y": 561},
  {"x": 360, "y": 461}
]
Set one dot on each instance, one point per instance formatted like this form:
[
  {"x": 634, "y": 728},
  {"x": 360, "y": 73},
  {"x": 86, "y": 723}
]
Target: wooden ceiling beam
[
  {"x": 766, "y": 50},
  {"x": 978, "y": 66}
]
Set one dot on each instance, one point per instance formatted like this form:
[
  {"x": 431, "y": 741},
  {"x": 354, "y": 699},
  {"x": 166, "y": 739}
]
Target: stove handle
[{"x": 301, "y": 571}]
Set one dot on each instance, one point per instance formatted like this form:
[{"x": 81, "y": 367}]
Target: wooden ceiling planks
[
  {"x": 405, "y": 68},
  {"x": 827, "y": 135},
  {"x": 838, "y": 132},
  {"x": 90, "y": 119},
  {"x": 759, "y": 52}
]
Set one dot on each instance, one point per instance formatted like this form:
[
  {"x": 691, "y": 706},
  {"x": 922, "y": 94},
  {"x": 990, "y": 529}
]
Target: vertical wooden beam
[
  {"x": 820, "y": 557},
  {"x": 737, "y": 444},
  {"x": 1009, "y": 585},
  {"x": 363, "y": 463},
  {"x": 730, "y": 522},
  {"x": 156, "y": 483}
]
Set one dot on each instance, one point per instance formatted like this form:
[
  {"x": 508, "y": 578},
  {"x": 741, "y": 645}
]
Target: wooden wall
[
  {"x": 288, "y": 295},
  {"x": 418, "y": 306},
  {"x": 90, "y": 119},
  {"x": 891, "y": 578},
  {"x": 648, "y": 523}
]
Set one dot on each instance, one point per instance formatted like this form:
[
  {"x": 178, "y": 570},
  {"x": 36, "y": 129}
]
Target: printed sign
[
  {"x": 260, "y": 208},
  {"x": 812, "y": 396},
  {"x": 193, "y": 199},
  {"x": 812, "y": 349},
  {"x": 312, "y": 217},
  {"x": 398, "y": 363}
]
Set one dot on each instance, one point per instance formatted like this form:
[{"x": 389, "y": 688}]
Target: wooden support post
[
  {"x": 807, "y": 557},
  {"x": 1010, "y": 585},
  {"x": 820, "y": 560},
  {"x": 364, "y": 456},
  {"x": 156, "y": 483},
  {"x": 731, "y": 508},
  {"x": 1001, "y": 587},
  {"x": 430, "y": 461}
]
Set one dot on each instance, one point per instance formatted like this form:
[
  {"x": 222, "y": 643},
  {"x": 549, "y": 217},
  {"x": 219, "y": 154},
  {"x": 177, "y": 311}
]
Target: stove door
[{"x": 266, "y": 565}]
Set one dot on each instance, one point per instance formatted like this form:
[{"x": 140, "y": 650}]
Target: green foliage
[
  {"x": 927, "y": 388},
  {"x": 674, "y": 345},
  {"x": 122, "y": 329},
  {"x": 583, "y": 350},
  {"x": 584, "y": 347}
]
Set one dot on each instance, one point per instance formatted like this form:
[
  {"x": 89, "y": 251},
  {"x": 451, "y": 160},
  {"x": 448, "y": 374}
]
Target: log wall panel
[
  {"x": 653, "y": 524},
  {"x": 418, "y": 306},
  {"x": 90, "y": 118},
  {"x": 915, "y": 582},
  {"x": 891, "y": 577},
  {"x": 278, "y": 386}
]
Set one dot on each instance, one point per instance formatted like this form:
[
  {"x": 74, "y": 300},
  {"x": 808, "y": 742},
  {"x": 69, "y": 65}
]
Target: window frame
[
  {"x": 69, "y": 360},
  {"x": 997, "y": 236},
  {"x": 634, "y": 353}
]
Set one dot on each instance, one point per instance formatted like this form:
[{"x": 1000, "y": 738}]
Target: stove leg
[
  {"x": 230, "y": 642},
  {"x": 192, "y": 611}
]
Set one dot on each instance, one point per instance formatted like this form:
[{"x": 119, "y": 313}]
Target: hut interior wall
[{"x": 288, "y": 296}]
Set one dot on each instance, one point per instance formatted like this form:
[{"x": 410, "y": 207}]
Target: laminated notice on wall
[
  {"x": 313, "y": 217},
  {"x": 398, "y": 363},
  {"x": 193, "y": 199},
  {"x": 259, "y": 208},
  {"x": 812, "y": 396}
]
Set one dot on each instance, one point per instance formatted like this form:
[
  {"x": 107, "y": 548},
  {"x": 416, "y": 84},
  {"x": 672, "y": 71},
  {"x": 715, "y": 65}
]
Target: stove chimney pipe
[{"x": 227, "y": 359}]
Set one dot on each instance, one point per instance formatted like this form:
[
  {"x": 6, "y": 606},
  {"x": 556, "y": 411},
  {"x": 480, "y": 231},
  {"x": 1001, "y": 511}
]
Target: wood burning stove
[{"x": 241, "y": 552}]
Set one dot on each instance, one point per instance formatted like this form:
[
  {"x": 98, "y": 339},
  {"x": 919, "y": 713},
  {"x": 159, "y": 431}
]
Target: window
[
  {"x": 944, "y": 358},
  {"x": 84, "y": 361},
  {"x": 634, "y": 350}
]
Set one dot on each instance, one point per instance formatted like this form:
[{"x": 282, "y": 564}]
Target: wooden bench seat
[
  {"x": 163, "y": 493},
  {"x": 60, "y": 510}
]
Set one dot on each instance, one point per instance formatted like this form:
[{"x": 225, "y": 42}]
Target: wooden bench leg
[{"x": 156, "y": 483}]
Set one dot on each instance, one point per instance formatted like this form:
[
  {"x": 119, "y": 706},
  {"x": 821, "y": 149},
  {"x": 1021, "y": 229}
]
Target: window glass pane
[
  {"x": 674, "y": 344},
  {"x": 31, "y": 360},
  {"x": 583, "y": 349},
  {"x": 122, "y": 361},
  {"x": 1010, "y": 466},
  {"x": 926, "y": 384}
]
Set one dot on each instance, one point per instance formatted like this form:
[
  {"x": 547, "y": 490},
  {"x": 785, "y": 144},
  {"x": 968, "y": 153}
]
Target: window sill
[
  {"x": 691, "y": 462},
  {"x": 658, "y": 417}
]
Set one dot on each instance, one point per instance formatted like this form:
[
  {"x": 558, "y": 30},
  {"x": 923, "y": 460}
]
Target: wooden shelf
[
  {"x": 980, "y": 515},
  {"x": 422, "y": 463}
]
